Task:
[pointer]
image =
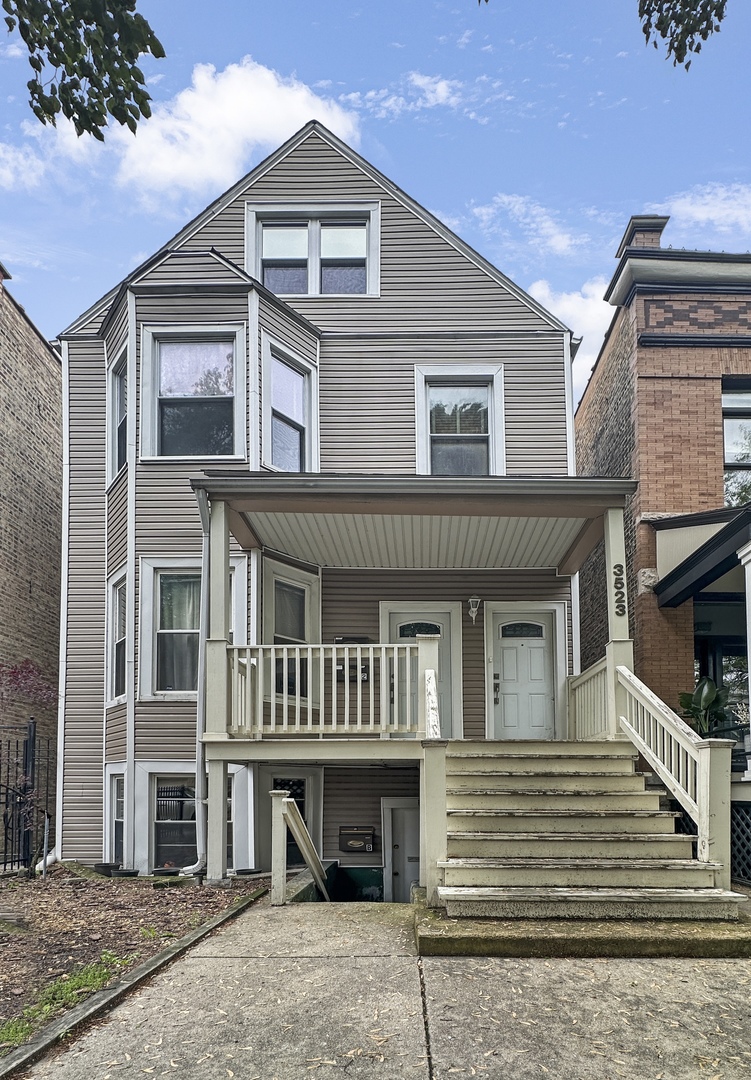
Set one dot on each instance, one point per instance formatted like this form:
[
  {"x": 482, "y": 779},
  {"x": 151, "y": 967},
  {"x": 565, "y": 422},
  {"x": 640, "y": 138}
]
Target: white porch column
[
  {"x": 713, "y": 800},
  {"x": 278, "y": 847},
  {"x": 217, "y": 666},
  {"x": 216, "y": 839},
  {"x": 427, "y": 660},
  {"x": 619, "y": 650}
]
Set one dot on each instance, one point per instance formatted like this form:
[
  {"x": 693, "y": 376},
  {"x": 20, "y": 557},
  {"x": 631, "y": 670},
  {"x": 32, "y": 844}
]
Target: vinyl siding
[
  {"x": 353, "y": 797},
  {"x": 367, "y": 400},
  {"x": 166, "y": 730},
  {"x": 350, "y": 599},
  {"x": 115, "y": 733},
  {"x": 117, "y": 334},
  {"x": 425, "y": 282},
  {"x": 84, "y": 686},
  {"x": 197, "y": 267},
  {"x": 117, "y": 523}
]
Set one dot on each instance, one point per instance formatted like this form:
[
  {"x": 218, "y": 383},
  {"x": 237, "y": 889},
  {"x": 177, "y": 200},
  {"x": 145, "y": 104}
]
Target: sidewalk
[{"x": 318, "y": 990}]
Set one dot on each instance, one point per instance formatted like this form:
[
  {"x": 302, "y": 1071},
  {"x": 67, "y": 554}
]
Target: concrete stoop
[
  {"x": 439, "y": 935},
  {"x": 540, "y": 830}
]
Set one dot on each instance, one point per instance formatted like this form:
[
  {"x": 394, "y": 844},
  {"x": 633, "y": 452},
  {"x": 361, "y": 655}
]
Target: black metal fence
[{"x": 27, "y": 789}]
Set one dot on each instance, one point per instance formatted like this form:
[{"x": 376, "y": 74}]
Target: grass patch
[{"x": 61, "y": 994}]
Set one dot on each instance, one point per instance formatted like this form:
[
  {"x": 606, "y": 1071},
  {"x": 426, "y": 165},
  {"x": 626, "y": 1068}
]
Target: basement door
[{"x": 521, "y": 665}]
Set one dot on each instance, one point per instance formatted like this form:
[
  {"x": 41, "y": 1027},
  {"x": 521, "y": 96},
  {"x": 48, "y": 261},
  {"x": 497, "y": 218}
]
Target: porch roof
[
  {"x": 708, "y": 563},
  {"x": 418, "y": 522}
]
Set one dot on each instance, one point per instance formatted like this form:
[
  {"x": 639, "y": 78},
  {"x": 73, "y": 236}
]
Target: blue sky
[{"x": 534, "y": 129}]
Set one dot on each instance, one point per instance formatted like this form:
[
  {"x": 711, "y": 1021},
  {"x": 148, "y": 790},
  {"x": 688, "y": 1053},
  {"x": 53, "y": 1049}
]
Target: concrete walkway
[{"x": 318, "y": 990}]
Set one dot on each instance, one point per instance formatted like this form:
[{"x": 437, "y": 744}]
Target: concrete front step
[
  {"x": 539, "y": 763},
  {"x": 538, "y": 747},
  {"x": 541, "y": 799},
  {"x": 486, "y": 844},
  {"x": 563, "y": 821},
  {"x": 594, "y": 903},
  {"x": 503, "y": 780},
  {"x": 580, "y": 873}
]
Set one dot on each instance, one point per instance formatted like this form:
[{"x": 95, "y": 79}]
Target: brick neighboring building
[
  {"x": 30, "y": 507},
  {"x": 678, "y": 351}
]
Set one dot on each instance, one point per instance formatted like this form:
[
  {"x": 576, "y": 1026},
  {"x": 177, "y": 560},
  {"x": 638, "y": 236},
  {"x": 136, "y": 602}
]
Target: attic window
[{"x": 317, "y": 249}]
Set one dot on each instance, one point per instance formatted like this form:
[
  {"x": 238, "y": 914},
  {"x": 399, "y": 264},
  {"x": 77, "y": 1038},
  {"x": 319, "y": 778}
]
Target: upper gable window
[
  {"x": 192, "y": 401},
  {"x": 459, "y": 419},
  {"x": 329, "y": 249}
]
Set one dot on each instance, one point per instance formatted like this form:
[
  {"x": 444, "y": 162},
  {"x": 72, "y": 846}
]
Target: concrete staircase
[{"x": 566, "y": 830}]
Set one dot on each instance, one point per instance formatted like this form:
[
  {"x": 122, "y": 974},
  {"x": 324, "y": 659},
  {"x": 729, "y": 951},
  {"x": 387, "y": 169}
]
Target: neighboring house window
[
  {"x": 315, "y": 249},
  {"x": 736, "y": 423},
  {"x": 170, "y": 623},
  {"x": 459, "y": 420},
  {"x": 120, "y": 402},
  {"x": 119, "y": 627},
  {"x": 193, "y": 392},
  {"x": 290, "y": 412},
  {"x": 175, "y": 821}
]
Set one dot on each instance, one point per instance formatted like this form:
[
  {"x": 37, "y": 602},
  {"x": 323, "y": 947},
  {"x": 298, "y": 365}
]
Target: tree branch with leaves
[{"x": 84, "y": 56}]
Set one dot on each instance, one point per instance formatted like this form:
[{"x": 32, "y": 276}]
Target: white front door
[
  {"x": 404, "y": 624},
  {"x": 522, "y": 671},
  {"x": 401, "y": 848}
]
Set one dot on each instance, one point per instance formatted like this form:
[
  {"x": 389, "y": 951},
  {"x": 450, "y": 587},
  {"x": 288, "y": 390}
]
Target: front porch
[{"x": 292, "y": 696}]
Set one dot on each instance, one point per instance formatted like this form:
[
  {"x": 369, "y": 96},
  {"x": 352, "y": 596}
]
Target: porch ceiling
[{"x": 417, "y": 522}]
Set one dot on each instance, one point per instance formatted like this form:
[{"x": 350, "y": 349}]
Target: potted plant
[{"x": 707, "y": 711}]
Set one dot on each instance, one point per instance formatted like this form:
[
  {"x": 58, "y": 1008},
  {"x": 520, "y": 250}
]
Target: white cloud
[
  {"x": 13, "y": 51},
  {"x": 413, "y": 93},
  {"x": 20, "y": 167},
  {"x": 203, "y": 138},
  {"x": 721, "y": 207},
  {"x": 465, "y": 39},
  {"x": 541, "y": 229},
  {"x": 586, "y": 313}
]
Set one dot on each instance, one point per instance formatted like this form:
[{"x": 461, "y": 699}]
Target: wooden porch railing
[
  {"x": 607, "y": 700},
  {"x": 285, "y": 814},
  {"x": 326, "y": 690}
]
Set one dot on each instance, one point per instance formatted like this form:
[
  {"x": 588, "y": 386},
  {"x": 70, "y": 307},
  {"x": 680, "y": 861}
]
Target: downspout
[{"x": 199, "y": 866}]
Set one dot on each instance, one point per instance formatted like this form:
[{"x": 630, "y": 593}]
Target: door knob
[{"x": 496, "y": 688}]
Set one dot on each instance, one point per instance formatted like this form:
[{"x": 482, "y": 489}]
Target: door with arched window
[
  {"x": 403, "y": 623},
  {"x": 522, "y": 669}
]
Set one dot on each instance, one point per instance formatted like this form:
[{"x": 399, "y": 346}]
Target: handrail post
[
  {"x": 427, "y": 660},
  {"x": 618, "y": 653},
  {"x": 433, "y": 816},
  {"x": 216, "y": 833},
  {"x": 713, "y": 799},
  {"x": 278, "y": 847},
  {"x": 217, "y": 659}
]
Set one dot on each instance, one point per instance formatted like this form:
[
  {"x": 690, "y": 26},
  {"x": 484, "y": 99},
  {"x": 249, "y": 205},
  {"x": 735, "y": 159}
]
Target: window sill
[
  {"x": 289, "y": 298},
  {"x": 122, "y": 700},
  {"x": 237, "y": 459},
  {"x": 171, "y": 695}
]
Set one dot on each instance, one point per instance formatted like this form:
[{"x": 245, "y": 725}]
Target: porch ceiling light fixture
[{"x": 474, "y": 606}]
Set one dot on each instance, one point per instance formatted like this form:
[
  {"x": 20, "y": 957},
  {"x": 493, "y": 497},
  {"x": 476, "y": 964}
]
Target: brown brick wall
[
  {"x": 674, "y": 396},
  {"x": 30, "y": 506},
  {"x": 605, "y": 447}
]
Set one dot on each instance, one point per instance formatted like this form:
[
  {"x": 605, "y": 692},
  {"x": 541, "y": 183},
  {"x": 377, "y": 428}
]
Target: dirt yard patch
[{"x": 70, "y": 921}]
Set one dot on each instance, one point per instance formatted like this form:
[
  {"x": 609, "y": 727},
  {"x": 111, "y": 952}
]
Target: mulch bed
[{"x": 69, "y": 920}]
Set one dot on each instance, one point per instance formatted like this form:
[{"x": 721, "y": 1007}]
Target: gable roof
[{"x": 314, "y": 127}]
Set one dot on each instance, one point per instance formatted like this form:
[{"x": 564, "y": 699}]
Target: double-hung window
[
  {"x": 120, "y": 403},
  {"x": 459, "y": 420},
  {"x": 736, "y": 425},
  {"x": 315, "y": 249},
  {"x": 193, "y": 392},
  {"x": 290, "y": 410},
  {"x": 119, "y": 627},
  {"x": 170, "y": 622}
]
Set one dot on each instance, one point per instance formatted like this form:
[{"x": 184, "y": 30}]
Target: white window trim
[
  {"x": 489, "y": 374},
  {"x": 311, "y": 583},
  {"x": 114, "y": 582},
  {"x": 270, "y": 346},
  {"x": 258, "y": 212},
  {"x": 113, "y": 370},
  {"x": 151, "y": 335},
  {"x": 111, "y": 773},
  {"x": 149, "y": 569}
]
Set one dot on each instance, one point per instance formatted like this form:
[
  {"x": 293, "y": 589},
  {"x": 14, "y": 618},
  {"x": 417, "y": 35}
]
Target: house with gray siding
[{"x": 322, "y": 534}]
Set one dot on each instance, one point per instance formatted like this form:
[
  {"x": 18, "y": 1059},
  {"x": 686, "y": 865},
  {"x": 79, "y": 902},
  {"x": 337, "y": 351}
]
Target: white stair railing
[
  {"x": 285, "y": 814},
  {"x": 695, "y": 771},
  {"x": 588, "y": 702},
  {"x": 433, "y": 795}
]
